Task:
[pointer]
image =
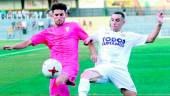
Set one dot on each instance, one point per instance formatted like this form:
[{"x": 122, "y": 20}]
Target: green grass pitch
[{"x": 20, "y": 71}]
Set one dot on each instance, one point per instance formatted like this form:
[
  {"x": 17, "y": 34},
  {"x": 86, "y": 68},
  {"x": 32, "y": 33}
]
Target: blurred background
[{"x": 20, "y": 19}]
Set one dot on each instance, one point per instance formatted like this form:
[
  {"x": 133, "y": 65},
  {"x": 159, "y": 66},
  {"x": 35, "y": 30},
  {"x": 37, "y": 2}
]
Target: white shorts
[{"x": 116, "y": 75}]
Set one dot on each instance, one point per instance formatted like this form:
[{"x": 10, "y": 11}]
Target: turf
[{"x": 20, "y": 73}]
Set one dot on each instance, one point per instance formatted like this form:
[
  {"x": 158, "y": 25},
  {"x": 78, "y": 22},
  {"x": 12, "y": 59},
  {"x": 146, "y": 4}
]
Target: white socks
[{"x": 84, "y": 87}]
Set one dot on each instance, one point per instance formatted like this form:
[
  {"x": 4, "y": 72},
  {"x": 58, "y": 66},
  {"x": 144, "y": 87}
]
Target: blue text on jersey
[{"x": 113, "y": 41}]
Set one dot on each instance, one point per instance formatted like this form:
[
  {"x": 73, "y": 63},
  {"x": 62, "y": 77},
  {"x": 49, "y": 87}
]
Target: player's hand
[
  {"x": 160, "y": 17},
  {"x": 88, "y": 40},
  {"x": 7, "y": 47},
  {"x": 94, "y": 58}
]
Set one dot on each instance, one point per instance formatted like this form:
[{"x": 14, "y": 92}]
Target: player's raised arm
[
  {"x": 18, "y": 46},
  {"x": 152, "y": 36}
]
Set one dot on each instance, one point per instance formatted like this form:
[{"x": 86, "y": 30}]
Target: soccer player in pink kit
[{"x": 62, "y": 39}]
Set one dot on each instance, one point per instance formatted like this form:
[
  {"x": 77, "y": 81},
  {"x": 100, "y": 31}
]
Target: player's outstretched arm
[
  {"x": 152, "y": 36},
  {"x": 18, "y": 46}
]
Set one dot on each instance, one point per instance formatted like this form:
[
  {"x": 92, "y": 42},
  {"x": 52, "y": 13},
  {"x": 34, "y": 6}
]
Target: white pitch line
[
  {"x": 14, "y": 53},
  {"x": 119, "y": 94}
]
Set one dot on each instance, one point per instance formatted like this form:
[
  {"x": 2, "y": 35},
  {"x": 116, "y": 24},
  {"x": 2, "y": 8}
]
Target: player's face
[
  {"x": 59, "y": 17},
  {"x": 116, "y": 22}
]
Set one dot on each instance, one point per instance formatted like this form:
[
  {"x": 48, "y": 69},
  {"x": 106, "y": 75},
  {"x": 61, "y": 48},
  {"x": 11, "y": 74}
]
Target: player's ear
[
  {"x": 124, "y": 21},
  {"x": 66, "y": 14},
  {"x": 52, "y": 15},
  {"x": 110, "y": 23}
]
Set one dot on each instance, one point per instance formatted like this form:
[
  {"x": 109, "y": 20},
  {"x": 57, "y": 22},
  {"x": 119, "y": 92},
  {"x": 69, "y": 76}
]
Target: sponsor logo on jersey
[
  {"x": 113, "y": 41},
  {"x": 67, "y": 29}
]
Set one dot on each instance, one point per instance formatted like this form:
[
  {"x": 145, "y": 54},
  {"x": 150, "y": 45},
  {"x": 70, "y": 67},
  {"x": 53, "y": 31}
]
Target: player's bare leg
[
  {"x": 61, "y": 79},
  {"x": 59, "y": 87},
  {"x": 126, "y": 92}
]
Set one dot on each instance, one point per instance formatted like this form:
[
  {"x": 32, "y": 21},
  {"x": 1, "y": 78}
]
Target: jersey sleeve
[
  {"x": 81, "y": 33},
  {"x": 139, "y": 39},
  {"x": 38, "y": 38},
  {"x": 95, "y": 37},
  {"x": 98, "y": 35}
]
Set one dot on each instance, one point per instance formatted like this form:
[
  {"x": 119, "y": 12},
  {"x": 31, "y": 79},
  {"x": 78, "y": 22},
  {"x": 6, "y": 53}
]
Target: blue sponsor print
[{"x": 113, "y": 41}]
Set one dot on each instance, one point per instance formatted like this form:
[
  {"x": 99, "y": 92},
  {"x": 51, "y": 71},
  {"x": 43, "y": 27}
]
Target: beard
[{"x": 59, "y": 22}]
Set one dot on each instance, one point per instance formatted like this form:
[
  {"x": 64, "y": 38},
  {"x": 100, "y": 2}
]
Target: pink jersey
[{"x": 63, "y": 44}]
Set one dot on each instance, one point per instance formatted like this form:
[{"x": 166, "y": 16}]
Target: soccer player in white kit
[{"x": 114, "y": 48}]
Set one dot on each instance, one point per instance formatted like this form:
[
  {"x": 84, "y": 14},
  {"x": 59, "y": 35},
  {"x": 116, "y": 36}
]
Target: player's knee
[
  {"x": 90, "y": 75},
  {"x": 59, "y": 81},
  {"x": 126, "y": 92},
  {"x": 85, "y": 74}
]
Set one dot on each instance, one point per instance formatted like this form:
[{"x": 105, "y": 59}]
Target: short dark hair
[
  {"x": 120, "y": 13},
  {"x": 59, "y": 6}
]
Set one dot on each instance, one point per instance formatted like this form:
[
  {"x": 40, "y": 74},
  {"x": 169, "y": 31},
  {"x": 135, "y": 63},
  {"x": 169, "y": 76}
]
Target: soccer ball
[{"x": 51, "y": 68}]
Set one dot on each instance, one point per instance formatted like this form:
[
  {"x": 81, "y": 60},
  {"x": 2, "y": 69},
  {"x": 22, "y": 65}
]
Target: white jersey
[{"x": 115, "y": 47}]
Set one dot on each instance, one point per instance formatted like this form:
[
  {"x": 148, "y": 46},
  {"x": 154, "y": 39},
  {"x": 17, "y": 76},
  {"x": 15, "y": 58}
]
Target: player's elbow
[{"x": 150, "y": 40}]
